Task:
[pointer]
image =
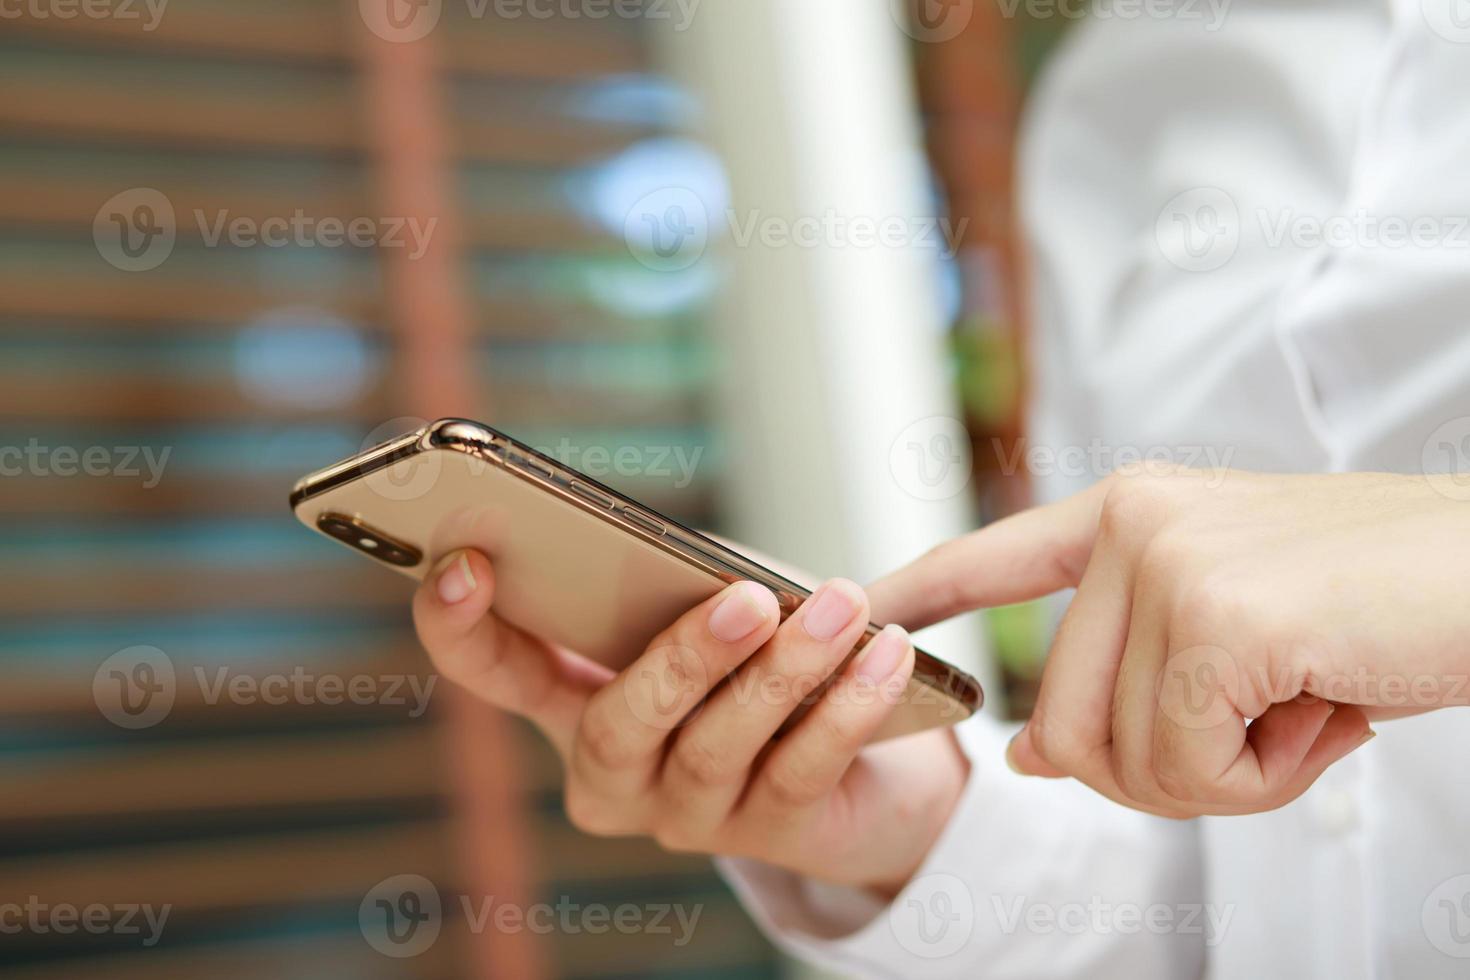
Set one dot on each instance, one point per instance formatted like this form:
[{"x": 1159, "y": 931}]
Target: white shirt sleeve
[{"x": 1032, "y": 877}]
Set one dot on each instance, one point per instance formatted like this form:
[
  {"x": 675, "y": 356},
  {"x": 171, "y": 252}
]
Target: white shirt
[{"x": 1250, "y": 242}]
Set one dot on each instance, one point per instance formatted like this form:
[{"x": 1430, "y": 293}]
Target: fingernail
[
  {"x": 1368, "y": 737},
  {"x": 738, "y": 615},
  {"x": 827, "y": 613},
  {"x": 1011, "y": 754},
  {"x": 456, "y": 581},
  {"x": 883, "y": 654}
]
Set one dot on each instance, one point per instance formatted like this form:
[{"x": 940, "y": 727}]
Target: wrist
[{"x": 930, "y": 813}]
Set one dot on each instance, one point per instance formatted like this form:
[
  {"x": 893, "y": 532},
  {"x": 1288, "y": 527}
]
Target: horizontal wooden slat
[
  {"x": 43, "y": 691},
  {"x": 98, "y": 587},
  {"x": 204, "y": 299},
  {"x": 327, "y": 31},
  {"x": 180, "y": 496},
  {"x": 244, "y": 494},
  {"x": 309, "y": 958},
  {"x": 100, "y": 294},
  {"x": 70, "y": 202},
  {"x": 210, "y": 775},
  {"x": 311, "y": 866},
  {"x": 322, "y": 118},
  {"x": 205, "y": 876},
  {"x": 66, "y": 397}
]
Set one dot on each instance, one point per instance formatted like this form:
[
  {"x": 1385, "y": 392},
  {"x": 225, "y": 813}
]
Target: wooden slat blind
[{"x": 263, "y": 825}]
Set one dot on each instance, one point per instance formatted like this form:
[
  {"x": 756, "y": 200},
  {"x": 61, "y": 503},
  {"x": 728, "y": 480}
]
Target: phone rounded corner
[
  {"x": 299, "y": 492},
  {"x": 457, "y": 435}
]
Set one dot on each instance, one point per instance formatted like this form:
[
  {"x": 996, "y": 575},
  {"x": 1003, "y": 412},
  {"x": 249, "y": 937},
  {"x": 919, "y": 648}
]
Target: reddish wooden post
[{"x": 429, "y": 311}]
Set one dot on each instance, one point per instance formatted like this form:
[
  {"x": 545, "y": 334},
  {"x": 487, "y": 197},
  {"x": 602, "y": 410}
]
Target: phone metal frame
[{"x": 500, "y": 450}]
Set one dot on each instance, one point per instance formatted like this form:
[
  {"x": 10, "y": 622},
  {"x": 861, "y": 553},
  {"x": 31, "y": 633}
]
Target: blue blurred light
[{"x": 308, "y": 359}]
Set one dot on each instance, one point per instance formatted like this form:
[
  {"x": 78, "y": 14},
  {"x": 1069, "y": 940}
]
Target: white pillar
[{"x": 828, "y": 354}]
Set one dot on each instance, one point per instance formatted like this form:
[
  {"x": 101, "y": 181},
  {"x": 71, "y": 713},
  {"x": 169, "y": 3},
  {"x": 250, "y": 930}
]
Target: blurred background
[{"x": 749, "y": 261}]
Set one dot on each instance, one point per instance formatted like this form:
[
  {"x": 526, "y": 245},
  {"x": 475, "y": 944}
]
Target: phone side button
[
  {"x": 596, "y": 496},
  {"x": 639, "y": 519}
]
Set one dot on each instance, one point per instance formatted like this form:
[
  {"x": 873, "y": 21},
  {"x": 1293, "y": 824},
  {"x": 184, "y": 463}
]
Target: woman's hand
[
  {"x": 664, "y": 750},
  {"x": 1306, "y": 603}
]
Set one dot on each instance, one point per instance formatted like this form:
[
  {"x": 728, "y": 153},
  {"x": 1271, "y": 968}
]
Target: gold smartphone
[{"x": 576, "y": 562}]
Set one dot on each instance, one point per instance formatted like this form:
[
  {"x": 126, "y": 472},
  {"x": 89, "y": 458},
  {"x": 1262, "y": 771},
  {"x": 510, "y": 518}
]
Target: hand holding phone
[
  {"x": 659, "y": 750},
  {"x": 710, "y": 703}
]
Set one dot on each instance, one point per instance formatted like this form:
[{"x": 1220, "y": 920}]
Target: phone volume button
[
  {"x": 596, "y": 496},
  {"x": 639, "y": 519},
  {"x": 532, "y": 465}
]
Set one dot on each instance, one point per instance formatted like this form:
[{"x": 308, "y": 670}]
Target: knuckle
[
  {"x": 838, "y": 730},
  {"x": 1134, "y": 502},
  {"x": 1165, "y": 558},
  {"x": 1053, "y": 743},
  {"x": 700, "y": 765},
  {"x": 677, "y": 837},
  {"x": 590, "y": 814},
  {"x": 1207, "y": 604},
  {"x": 1177, "y": 785},
  {"x": 1131, "y": 778},
  {"x": 603, "y": 743},
  {"x": 792, "y": 788}
]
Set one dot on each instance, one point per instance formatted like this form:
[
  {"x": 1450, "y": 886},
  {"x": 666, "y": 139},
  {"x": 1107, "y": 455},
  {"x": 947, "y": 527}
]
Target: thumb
[{"x": 1022, "y": 756}]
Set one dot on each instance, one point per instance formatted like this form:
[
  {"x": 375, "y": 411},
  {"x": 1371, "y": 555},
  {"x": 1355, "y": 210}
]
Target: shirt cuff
[{"x": 854, "y": 930}]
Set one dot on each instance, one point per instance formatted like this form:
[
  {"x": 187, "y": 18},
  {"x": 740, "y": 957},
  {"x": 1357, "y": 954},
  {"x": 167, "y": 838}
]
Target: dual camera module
[{"x": 356, "y": 534}]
